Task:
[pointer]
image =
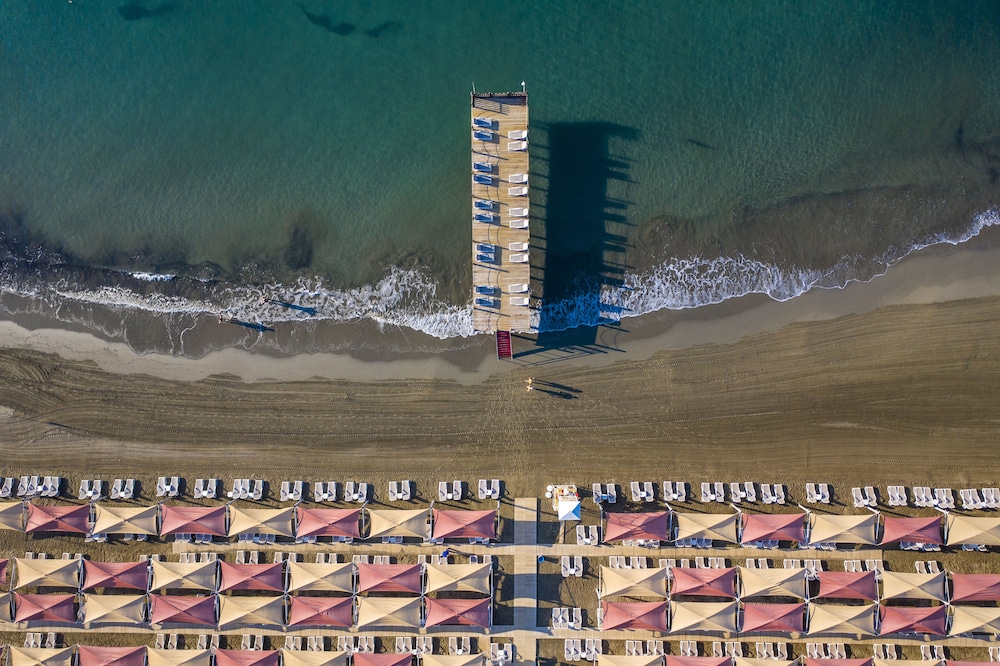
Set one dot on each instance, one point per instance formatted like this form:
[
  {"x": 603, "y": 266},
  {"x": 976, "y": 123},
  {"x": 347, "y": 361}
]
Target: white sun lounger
[
  {"x": 116, "y": 488},
  {"x": 519, "y": 258},
  {"x": 779, "y": 493},
  {"x": 519, "y": 191},
  {"x": 519, "y": 300},
  {"x": 457, "y": 490},
  {"x": 518, "y": 288},
  {"x": 647, "y": 487},
  {"x": 161, "y": 486},
  {"x": 751, "y": 492},
  {"x": 720, "y": 491},
  {"x": 859, "y": 498},
  {"x": 637, "y": 493},
  {"x": 519, "y": 223},
  {"x": 444, "y": 492},
  {"x": 517, "y": 135},
  {"x": 483, "y": 489},
  {"x": 298, "y": 490},
  {"x": 517, "y": 247},
  {"x": 517, "y": 146},
  {"x": 7, "y": 487},
  {"x": 521, "y": 178},
  {"x": 824, "y": 493},
  {"x": 286, "y": 486},
  {"x": 706, "y": 492},
  {"x": 811, "y": 495},
  {"x": 393, "y": 491}
]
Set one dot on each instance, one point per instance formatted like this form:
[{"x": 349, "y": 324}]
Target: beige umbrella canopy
[
  {"x": 388, "y": 612},
  {"x": 261, "y": 521},
  {"x": 836, "y": 619},
  {"x": 458, "y": 578},
  {"x": 623, "y": 660},
  {"x": 394, "y": 522},
  {"x": 974, "y": 620},
  {"x": 639, "y": 583},
  {"x": 110, "y": 609},
  {"x": 831, "y": 528},
  {"x": 304, "y": 658},
  {"x": 714, "y": 526},
  {"x": 113, "y": 519},
  {"x": 40, "y": 656},
  {"x": 773, "y": 583},
  {"x": 972, "y": 530},
  {"x": 306, "y": 576},
  {"x": 155, "y": 657},
  {"x": 46, "y": 573},
  {"x": 12, "y": 516},
  {"x": 688, "y": 616},
  {"x": 183, "y": 576},
  {"x": 897, "y": 585},
  {"x": 238, "y": 612}
]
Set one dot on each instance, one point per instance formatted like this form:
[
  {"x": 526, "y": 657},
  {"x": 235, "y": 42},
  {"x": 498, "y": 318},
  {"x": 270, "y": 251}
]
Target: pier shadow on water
[{"x": 583, "y": 236}]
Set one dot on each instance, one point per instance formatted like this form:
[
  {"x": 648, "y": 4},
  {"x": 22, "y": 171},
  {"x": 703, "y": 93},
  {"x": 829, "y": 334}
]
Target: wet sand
[{"x": 891, "y": 381}]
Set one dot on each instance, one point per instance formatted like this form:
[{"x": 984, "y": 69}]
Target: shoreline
[{"x": 935, "y": 274}]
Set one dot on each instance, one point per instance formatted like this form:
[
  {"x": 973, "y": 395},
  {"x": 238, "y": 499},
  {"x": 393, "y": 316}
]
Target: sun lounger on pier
[
  {"x": 518, "y": 288},
  {"x": 484, "y": 179},
  {"x": 517, "y": 247},
  {"x": 518, "y": 191},
  {"x": 485, "y": 135},
  {"x": 486, "y": 217},
  {"x": 520, "y": 178},
  {"x": 519, "y": 300},
  {"x": 488, "y": 123},
  {"x": 519, "y": 223},
  {"x": 517, "y": 146},
  {"x": 485, "y": 204},
  {"x": 518, "y": 212},
  {"x": 519, "y": 258},
  {"x": 484, "y": 167}
]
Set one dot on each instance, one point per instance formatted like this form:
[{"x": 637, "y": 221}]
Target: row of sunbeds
[{"x": 30, "y": 486}]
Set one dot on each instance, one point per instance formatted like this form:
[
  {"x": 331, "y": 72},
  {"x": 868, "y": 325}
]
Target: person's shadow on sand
[{"x": 565, "y": 395}]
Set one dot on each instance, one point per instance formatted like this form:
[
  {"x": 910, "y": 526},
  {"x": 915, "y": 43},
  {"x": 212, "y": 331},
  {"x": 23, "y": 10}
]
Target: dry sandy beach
[{"x": 890, "y": 381}]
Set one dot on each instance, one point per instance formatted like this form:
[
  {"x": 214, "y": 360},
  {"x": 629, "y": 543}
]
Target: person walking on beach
[{"x": 529, "y": 383}]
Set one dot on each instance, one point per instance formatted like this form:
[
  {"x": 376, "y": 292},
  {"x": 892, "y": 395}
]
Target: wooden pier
[{"x": 501, "y": 251}]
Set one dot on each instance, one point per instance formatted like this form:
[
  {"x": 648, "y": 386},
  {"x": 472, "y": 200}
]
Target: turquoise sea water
[{"x": 682, "y": 153}]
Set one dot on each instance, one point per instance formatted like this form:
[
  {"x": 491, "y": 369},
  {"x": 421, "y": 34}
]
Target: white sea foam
[
  {"x": 151, "y": 277},
  {"x": 408, "y": 298}
]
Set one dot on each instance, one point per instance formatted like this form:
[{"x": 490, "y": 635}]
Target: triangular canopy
[
  {"x": 395, "y": 522},
  {"x": 953, "y": 662},
  {"x": 974, "y": 620},
  {"x": 774, "y": 618},
  {"x": 306, "y": 576},
  {"x": 87, "y": 655},
  {"x": 117, "y": 575},
  {"x": 306, "y": 658},
  {"x": 714, "y": 526},
  {"x": 247, "y": 657},
  {"x": 836, "y": 662},
  {"x": 321, "y": 611},
  {"x": 113, "y": 519},
  {"x": 327, "y": 522},
  {"x": 641, "y": 583},
  {"x": 568, "y": 509},
  {"x": 836, "y": 619},
  {"x": 704, "y": 582},
  {"x": 919, "y": 530},
  {"x": 644, "y": 615},
  {"x": 773, "y": 583},
  {"x": 848, "y": 585},
  {"x": 773, "y": 527},
  {"x": 430, "y": 659},
  {"x": 5, "y": 566},
  {"x": 747, "y": 661},
  {"x": 46, "y": 573},
  {"x": 897, "y": 585},
  {"x": 181, "y": 609},
  {"x": 973, "y": 529},
  {"x": 382, "y": 659},
  {"x": 193, "y": 520},
  {"x": 45, "y": 518},
  {"x": 462, "y": 524},
  {"x": 835, "y": 528},
  {"x": 674, "y": 660},
  {"x": 629, "y": 660},
  {"x": 388, "y": 612},
  {"x": 40, "y": 656},
  {"x": 261, "y": 577},
  {"x": 104, "y": 609},
  {"x": 261, "y": 521},
  {"x": 688, "y": 616},
  {"x": 913, "y": 620},
  {"x": 235, "y": 612},
  {"x": 183, "y": 576},
  {"x": 12, "y": 516},
  {"x": 388, "y": 578},
  {"x": 457, "y": 578},
  {"x": 651, "y": 525},
  {"x": 44, "y": 607},
  {"x": 468, "y": 612},
  {"x": 155, "y": 657},
  {"x": 975, "y": 587},
  {"x": 5, "y": 614}
]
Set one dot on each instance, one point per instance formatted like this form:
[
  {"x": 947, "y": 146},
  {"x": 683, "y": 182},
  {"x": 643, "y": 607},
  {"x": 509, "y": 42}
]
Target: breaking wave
[{"x": 405, "y": 298}]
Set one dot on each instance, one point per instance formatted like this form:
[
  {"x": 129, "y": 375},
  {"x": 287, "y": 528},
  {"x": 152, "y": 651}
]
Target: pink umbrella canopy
[
  {"x": 247, "y": 657},
  {"x": 117, "y": 575},
  {"x": 773, "y": 527},
  {"x": 261, "y": 577},
  {"x": 975, "y": 587},
  {"x": 176, "y": 609},
  {"x": 44, "y": 607},
  {"x": 389, "y": 578},
  {"x": 649, "y": 615},
  {"x": 110, "y": 656},
  {"x": 704, "y": 582},
  {"x": 913, "y": 619},
  {"x": 460, "y": 524},
  {"x": 193, "y": 520},
  {"x": 650, "y": 525},
  {"x": 848, "y": 585},
  {"x": 471, "y": 612},
  {"x": 321, "y": 611},
  {"x": 327, "y": 522},
  {"x": 781, "y": 618},
  {"x": 42, "y": 518},
  {"x": 917, "y": 530}
]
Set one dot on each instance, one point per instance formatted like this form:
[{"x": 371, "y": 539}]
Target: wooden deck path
[{"x": 507, "y": 156}]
